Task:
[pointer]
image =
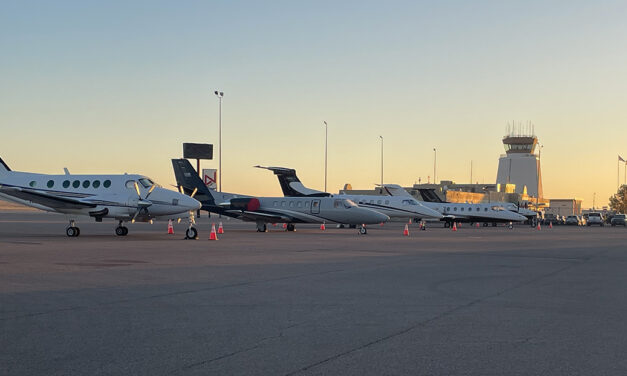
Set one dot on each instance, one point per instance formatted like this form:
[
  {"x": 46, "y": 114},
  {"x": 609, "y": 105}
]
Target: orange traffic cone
[
  {"x": 538, "y": 228},
  {"x": 285, "y": 226},
  {"x": 170, "y": 227},
  {"x": 410, "y": 221},
  {"x": 477, "y": 226},
  {"x": 454, "y": 226},
  {"x": 322, "y": 227},
  {"x": 381, "y": 224},
  {"x": 213, "y": 235},
  {"x": 220, "y": 229},
  {"x": 550, "y": 224},
  {"x": 406, "y": 231}
]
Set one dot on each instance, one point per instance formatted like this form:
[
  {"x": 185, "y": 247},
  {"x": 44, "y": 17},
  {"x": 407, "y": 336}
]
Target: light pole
[
  {"x": 435, "y": 157},
  {"x": 326, "y": 141},
  {"x": 220, "y": 95},
  {"x": 538, "y": 178},
  {"x": 381, "y": 137}
]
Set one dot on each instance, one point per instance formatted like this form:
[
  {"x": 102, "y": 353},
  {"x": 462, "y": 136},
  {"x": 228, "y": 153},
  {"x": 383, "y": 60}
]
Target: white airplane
[
  {"x": 264, "y": 210},
  {"x": 124, "y": 197},
  {"x": 394, "y": 207},
  {"x": 460, "y": 212}
]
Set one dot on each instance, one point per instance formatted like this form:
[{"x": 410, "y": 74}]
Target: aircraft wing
[
  {"x": 45, "y": 199},
  {"x": 259, "y": 216}
]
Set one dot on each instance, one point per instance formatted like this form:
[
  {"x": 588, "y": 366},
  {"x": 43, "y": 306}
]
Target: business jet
[
  {"x": 264, "y": 210},
  {"x": 126, "y": 197},
  {"x": 393, "y": 207},
  {"x": 460, "y": 212}
]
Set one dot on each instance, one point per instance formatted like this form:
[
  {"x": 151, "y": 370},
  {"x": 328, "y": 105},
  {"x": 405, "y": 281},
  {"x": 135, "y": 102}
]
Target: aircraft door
[{"x": 315, "y": 207}]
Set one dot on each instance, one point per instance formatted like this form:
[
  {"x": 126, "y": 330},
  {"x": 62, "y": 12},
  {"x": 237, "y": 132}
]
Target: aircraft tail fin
[
  {"x": 3, "y": 167},
  {"x": 187, "y": 178},
  {"x": 291, "y": 185},
  {"x": 395, "y": 190}
]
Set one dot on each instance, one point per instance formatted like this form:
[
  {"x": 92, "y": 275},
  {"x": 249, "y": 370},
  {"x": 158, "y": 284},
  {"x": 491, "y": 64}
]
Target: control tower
[{"x": 520, "y": 165}]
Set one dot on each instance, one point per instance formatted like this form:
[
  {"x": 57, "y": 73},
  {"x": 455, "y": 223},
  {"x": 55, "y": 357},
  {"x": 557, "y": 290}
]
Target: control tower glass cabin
[{"x": 520, "y": 165}]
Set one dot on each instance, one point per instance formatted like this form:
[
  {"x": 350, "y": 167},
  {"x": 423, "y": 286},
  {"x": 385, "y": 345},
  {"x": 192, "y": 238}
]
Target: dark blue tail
[{"x": 187, "y": 178}]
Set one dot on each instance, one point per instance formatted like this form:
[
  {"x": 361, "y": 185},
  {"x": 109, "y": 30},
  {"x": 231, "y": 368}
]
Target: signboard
[
  {"x": 197, "y": 151},
  {"x": 210, "y": 177}
]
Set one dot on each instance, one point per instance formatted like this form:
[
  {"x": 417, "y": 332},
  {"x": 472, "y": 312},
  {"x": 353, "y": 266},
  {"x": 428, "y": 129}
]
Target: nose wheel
[
  {"x": 262, "y": 227},
  {"x": 362, "y": 230},
  {"x": 191, "y": 233}
]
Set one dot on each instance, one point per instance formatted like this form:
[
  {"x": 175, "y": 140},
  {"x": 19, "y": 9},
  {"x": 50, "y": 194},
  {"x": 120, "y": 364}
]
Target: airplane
[
  {"x": 460, "y": 212},
  {"x": 127, "y": 197},
  {"x": 393, "y": 207},
  {"x": 264, "y": 210}
]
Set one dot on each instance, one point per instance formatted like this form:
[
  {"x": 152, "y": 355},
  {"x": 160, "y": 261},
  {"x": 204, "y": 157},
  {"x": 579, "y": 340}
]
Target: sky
[{"x": 118, "y": 86}]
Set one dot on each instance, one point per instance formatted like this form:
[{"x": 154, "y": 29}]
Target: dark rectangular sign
[{"x": 197, "y": 151}]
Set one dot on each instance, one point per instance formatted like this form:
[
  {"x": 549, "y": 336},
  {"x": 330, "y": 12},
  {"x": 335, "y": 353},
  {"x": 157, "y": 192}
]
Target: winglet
[
  {"x": 3, "y": 166},
  {"x": 291, "y": 185}
]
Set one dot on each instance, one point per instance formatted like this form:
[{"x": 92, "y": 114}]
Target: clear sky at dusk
[{"x": 118, "y": 86}]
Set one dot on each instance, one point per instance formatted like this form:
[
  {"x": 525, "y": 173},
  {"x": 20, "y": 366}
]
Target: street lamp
[
  {"x": 219, "y": 94},
  {"x": 435, "y": 157},
  {"x": 381, "y": 137},
  {"x": 326, "y": 140}
]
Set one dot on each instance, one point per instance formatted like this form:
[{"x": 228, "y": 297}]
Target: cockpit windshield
[
  {"x": 410, "y": 202},
  {"x": 349, "y": 204},
  {"x": 146, "y": 183}
]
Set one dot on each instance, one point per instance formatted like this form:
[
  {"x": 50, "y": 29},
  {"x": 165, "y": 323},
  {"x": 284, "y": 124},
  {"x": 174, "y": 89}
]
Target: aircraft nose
[
  {"x": 379, "y": 217},
  {"x": 517, "y": 217},
  {"x": 190, "y": 203},
  {"x": 431, "y": 213}
]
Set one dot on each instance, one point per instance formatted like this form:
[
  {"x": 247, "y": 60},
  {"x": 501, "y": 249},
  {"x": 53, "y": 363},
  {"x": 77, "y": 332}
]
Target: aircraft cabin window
[
  {"x": 275, "y": 204},
  {"x": 379, "y": 202},
  {"x": 387, "y": 202},
  {"x": 462, "y": 209},
  {"x": 96, "y": 184},
  {"x": 455, "y": 208},
  {"x": 448, "y": 209},
  {"x": 299, "y": 204},
  {"x": 315, "y": 204},
  {"x": 32, "y": 183},
  {"x": 485, "y": 209},
  {"x": 283, "y": 203},
  {"x": 291, "y": 204},
  {"x": 66, "y": 183},
  {"x": 478, "y": 208},
  {"x": 107, "y": 183},
  {"x": 76, "y": 184},
  {"x": 86, "y": 184},
  {"x": 50, "y": 183},
  {"x": 306, "y": 204}
]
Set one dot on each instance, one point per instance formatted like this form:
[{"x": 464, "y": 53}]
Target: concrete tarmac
[{"x": 479, "y": 301}]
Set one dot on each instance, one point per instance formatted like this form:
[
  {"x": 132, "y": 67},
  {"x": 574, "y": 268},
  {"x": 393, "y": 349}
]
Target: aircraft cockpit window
[
  {"x": 147, "y": 183},
  {"x": 497, "y": 208},
  {"x": 106, "y": 184},
  {"x": 130, "y": 184}
]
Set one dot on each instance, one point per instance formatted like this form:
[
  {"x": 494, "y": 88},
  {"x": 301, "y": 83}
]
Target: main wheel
[
  {"x": 447, "y": 224},
  {"x": 72, "y": 231},
  {"x": 191, "y": 233},
  {"x": 121, "y": 231},
  {"x": 362, "y": 230},
  {"x": 290, "y": 227},
  {"x": 262, "y": 228}
]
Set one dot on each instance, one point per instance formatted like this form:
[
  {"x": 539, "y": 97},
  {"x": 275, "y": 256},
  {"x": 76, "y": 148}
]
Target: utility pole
[
  {"x": 326, "y": 141},
  {"x": 381, "y": 137},
  {"x": 220, "y": 95},
  {"x": 435, "y": 157}
]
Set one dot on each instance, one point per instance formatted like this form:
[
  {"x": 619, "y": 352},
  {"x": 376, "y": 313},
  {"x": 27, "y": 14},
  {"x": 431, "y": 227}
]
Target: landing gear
[
  {"x": 485, "y": 224},
  {"x": 362, "y": 230},
  {"x": 290, "y": 227},
  {"x": 447, "y": 224},
  {"x": 72, "y": 231},
  {"x": 262, "y": 227},
  {"x": 493, "y": 224},
  {"x": 510, "y": 226},
  {"x": 191, "y": 233},
  {"x": 121, "y": 230}
]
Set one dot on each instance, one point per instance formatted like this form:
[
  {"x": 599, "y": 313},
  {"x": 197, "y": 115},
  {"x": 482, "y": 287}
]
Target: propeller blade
[
  {"x": 180, "y": 188},
  {"x": 137, "y": 189},
  {"x": 194, "y": 193},
  {"x": 152, "y": 188}
]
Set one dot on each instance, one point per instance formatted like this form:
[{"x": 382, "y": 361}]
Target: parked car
[
  {"x": 618, "y": 220},
  {"x": 572, "y": 220},
  {"x": 550, "y": 219},
  {"x": 595, "y": 219}
]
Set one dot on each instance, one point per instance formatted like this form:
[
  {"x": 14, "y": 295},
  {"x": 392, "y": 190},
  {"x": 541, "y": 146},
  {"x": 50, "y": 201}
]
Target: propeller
[{"x": 142, "y": 202}]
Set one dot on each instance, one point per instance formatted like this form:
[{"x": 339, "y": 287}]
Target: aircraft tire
[
  {"x": 191, "y": 233},
  {"x": 262, "y": 228},
  {"x": 290, "y": 227},
  {"x": 119, "y": 231},
  {"x": 363, "y": 230},
  {"x": 72, "y": 232}
]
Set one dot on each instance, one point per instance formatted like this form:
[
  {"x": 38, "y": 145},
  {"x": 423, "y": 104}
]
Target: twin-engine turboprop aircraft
[
  {"x": 124, "y": 197},
  {"x": 264, "y": 210},
  {"x": 394, "y": 207}
]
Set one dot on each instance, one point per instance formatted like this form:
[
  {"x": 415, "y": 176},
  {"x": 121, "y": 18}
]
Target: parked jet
[
  {"x": 460, "y": 212},
  {"x": 394, "y": 207},
  {"x": 124, "y": 197},
  {"x": 264, "y": 210}
]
